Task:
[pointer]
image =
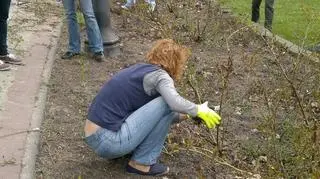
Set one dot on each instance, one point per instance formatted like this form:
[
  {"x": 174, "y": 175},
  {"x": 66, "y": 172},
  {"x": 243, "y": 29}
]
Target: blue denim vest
[{"x": 120, "y": 96}]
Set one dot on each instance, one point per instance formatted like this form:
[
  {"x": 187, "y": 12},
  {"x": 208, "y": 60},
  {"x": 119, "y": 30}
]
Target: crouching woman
[{"x": 133, "y": 111}]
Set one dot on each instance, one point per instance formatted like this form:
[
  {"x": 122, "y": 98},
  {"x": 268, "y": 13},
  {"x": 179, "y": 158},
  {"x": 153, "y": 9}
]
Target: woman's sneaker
[{"x": 155, "y": 170}]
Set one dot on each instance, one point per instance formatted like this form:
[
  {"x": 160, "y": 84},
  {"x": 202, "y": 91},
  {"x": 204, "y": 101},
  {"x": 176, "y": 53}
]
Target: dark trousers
[
  {"x": 268, "y": 12},
  {"x": 4, "y": 13}
]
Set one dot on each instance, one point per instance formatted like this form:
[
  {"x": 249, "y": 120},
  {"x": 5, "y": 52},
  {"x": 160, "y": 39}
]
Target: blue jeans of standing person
[
  {"x": 143, "y": 134},
  {"x": 93, "y": 32},
  {"x": 268, "y": 12},
  {"x": 4, "y": 14}
]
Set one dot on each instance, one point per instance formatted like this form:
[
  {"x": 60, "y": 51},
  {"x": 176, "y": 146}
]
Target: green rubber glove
[{"x": 208, "y": 116}]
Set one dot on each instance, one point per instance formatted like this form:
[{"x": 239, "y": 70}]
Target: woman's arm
[{"x": 159, "y": 81}]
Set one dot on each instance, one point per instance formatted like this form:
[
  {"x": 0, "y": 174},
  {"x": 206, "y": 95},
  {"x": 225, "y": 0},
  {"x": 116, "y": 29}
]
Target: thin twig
[
  {"x": 229, "y": 69},
  {"x": 225, "y": 84},
  {"x": 208, "y": 18},
  {"x": 233, "y": 167},
  {"x": 166, "y": 151},
  {"x": 199, "y": 101},
  {"x": 293, "y": 88},
  {"x": 49, "y": 151},
  {"x": 194, "y": 89},
  {"x": 20, "y": 132},
  {"x": 232, "y": 35},
  {"x": 216, "y": 160}
]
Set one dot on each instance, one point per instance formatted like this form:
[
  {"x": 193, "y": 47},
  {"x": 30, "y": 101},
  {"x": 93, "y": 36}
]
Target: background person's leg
[
  {"x": 5, "y": 56},
  {"x": 268, "y": 14},
  {"x": 93, "y": 32},
  {"x": 73, "y": 26},
  {"x": 255, "y": 10},
  {"x": 4, "y": 13}
]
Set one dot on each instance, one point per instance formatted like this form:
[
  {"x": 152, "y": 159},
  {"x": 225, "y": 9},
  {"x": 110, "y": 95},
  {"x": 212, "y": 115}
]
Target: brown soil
[{"x": 191, "y": 150}]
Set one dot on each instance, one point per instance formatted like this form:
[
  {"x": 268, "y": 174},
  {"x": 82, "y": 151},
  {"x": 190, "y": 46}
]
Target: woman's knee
[{"x": 89, "y": 15}]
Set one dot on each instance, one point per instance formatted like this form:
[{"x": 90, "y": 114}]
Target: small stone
[
  {"x": 238, "y": 110},
  {"x": 257, "y": 176},
  {"x": 206, "y": 74},
  {"x": 36, "y": 129},
  {"x": 314, "y": 104},
  {"x": 253, "y": 162},
  {"x": 216, "y": 108},
  {"x": 263, "y": 159}
]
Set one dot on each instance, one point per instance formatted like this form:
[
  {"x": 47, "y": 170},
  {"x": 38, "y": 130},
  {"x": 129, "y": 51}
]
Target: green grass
[
  {"x": 295, "y": 20},
  {"x": 80, "y": 19}
]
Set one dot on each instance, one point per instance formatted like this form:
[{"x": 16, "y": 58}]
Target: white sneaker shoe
[
  {"x": 152, "y": 6},
  {"x": 128, "y": 5},
  {"x": 124, "y": 7}
]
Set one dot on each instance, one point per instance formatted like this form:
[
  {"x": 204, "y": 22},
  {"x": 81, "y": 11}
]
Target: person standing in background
[
  {"x": 268, "y": 12},
  {"x": 93, "y": 32},
  {"x": 5, "y": 56}
]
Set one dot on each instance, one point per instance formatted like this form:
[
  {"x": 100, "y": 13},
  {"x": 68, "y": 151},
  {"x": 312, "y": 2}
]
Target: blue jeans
[
  {"x": 4, "y": 13},
  {"x": 268, "y": 12},
  {"x": 143, "y": 134},
  {"x": 93, "y": 32}
]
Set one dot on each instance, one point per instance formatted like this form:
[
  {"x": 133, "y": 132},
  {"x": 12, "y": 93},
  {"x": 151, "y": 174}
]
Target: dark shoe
[
  {"x": 10, "y": 58},
  {"x": 268, "y": 28},
  {"x": 4, "y": 67},
  {"x": 98, "y": 56},
  {"x": 155, "y": 170},
  {"x": 69, "y": 55},
  {"x": 315, "y": 48}
]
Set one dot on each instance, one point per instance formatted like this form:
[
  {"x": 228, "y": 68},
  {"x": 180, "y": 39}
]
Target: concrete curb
[
  {"x": 33, "y": 136},
  {"x": 291, "y": 47}
]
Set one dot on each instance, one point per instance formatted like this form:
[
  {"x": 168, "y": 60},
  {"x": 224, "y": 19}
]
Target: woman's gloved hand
[{"x": 208, "y": 116}]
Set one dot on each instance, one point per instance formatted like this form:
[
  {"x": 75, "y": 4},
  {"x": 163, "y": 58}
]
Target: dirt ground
[{"x": 191, "y": 150}]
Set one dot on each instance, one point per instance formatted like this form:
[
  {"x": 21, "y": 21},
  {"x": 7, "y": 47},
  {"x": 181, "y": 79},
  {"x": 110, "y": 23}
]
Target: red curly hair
[{"x": 170, "y": 56}]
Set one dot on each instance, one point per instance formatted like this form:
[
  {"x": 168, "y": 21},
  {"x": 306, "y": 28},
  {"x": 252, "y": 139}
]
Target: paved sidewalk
[{"x": 33, "y": 31}]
